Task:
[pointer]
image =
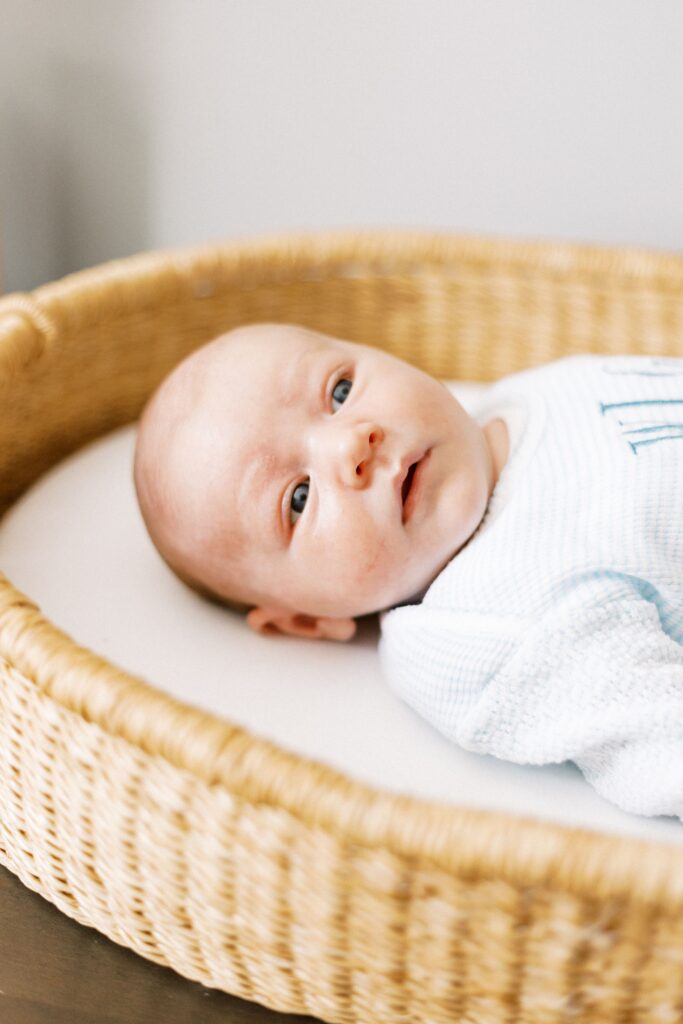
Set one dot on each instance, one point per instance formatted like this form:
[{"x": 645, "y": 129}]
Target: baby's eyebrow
[
  {"x": 293, "y": 385},
  {"x": 255, "y": 492}
]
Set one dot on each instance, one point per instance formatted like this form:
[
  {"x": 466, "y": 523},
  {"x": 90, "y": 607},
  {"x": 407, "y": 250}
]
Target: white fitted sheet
[{"x": 76, "y": 544}]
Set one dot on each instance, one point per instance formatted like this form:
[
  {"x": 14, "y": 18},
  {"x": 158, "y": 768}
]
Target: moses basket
[{"x": 240, "y": 864}]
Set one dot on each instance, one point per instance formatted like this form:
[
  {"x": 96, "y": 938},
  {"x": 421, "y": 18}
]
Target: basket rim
[
  {"x": 472, "y": 842},
  {"x": 397, "y": 244}
]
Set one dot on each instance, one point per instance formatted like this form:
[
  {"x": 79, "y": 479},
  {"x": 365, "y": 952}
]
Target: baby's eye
[
  {"x": 298, "y": 502},
  {"x": 341, "y": 391}
]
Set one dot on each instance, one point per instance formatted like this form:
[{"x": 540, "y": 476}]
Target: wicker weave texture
[{"x": 217, "y": 853}]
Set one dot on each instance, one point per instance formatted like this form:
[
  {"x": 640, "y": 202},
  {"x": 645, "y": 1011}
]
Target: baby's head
[{"x": 309, "y": 479}]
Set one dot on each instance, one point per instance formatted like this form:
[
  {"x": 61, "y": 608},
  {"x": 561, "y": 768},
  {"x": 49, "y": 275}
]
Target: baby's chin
[{"x": 390, "y": 599}]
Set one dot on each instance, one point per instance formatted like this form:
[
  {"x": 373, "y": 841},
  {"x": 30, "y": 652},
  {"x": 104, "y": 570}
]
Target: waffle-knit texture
[{"x": 556, "y": 633}]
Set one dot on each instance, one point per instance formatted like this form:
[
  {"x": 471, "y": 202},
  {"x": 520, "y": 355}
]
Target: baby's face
[{"x": 338, "y": 479}]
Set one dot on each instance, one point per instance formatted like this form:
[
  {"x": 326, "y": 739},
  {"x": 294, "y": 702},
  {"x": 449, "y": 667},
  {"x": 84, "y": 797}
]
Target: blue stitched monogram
[{"x": 664, "y": 416}]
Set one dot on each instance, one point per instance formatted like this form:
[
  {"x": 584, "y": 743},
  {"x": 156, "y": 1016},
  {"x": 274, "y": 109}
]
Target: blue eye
[
  {"x": 298, "y": 502},
  {"x": 300, "y": 493},
  {"x": 341, "y": 391}
]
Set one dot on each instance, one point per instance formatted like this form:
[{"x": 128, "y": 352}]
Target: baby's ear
[{"x": 271, "y": 619}]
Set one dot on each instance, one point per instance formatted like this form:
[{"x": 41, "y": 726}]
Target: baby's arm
[{"x": 599, "y": 682}]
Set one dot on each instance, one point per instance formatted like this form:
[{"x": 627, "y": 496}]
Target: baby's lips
[
  {"x": 406, "y": 462},
  {"x": 412, "y": 492}
]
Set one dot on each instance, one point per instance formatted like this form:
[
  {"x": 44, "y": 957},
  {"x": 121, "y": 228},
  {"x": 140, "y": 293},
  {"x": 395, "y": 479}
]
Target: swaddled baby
[{"x": 527, "y": 560}]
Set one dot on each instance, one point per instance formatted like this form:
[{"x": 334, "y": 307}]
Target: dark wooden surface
[{"x": 54, "y": 970}]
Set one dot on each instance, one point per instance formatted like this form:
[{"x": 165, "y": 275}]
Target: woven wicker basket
[{"x": 236, "y": 863}]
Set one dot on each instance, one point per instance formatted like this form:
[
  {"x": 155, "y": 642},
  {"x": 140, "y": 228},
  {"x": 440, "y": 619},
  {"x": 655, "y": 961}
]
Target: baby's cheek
[
  {"x": 374, "y": 561},
  {"x": 353, "y": 565},
  {"x": 368, "y": 564},
  {"x": 348, "y": 561}
]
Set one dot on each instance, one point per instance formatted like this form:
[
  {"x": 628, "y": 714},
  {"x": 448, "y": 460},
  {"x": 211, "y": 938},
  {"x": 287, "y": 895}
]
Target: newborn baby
[
  {"x": 527, "y": 560},
  {"x": 257, "y": 488}
]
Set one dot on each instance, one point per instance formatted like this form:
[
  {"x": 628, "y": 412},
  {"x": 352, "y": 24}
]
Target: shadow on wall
[
  {"x": 75, "y": 181},
  {"x": 27, "y": 229}
]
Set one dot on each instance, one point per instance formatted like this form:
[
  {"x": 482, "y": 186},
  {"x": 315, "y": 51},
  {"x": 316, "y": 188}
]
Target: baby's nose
[{"x": 359, "y": 447}]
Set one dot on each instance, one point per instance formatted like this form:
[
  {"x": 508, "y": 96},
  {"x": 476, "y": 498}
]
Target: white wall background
[{"x": 134, "y": 124}]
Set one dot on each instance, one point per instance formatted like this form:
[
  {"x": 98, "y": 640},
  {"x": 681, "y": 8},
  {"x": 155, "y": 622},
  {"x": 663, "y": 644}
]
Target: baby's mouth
[
  {"x": 412, "y": 485},
  {"x": 407, "y": 482}
]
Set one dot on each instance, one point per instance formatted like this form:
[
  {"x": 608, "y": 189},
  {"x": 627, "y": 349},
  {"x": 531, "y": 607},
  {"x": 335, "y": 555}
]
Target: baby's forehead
[
  {"x": 260, "y": 343},
  {"x": 226, "y": 403},
  {"x": 236, "y": 369}
]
